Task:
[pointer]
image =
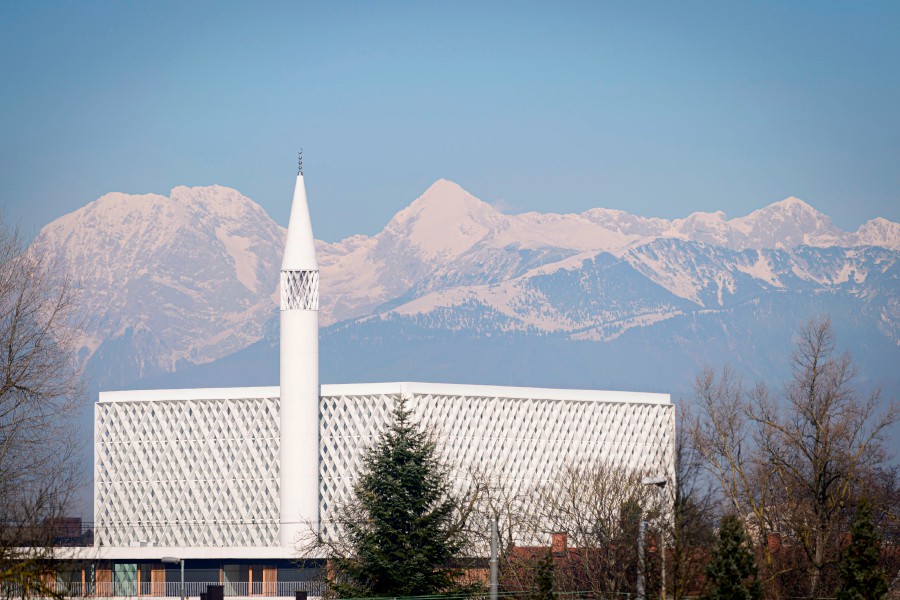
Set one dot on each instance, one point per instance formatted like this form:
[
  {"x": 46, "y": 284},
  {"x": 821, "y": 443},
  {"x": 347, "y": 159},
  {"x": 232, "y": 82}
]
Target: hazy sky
[{"x": 660, "y": 109}]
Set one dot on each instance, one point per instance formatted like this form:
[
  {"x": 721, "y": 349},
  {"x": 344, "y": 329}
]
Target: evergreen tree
[
  {"x": 861, "y": 578},
  {"x": 400, "y": 528},
  {"x": 545, "y": 576},
  {"x": 731, "y": 572}
]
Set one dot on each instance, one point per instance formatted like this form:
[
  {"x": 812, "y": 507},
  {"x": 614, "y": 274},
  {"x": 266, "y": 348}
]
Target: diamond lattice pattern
[
  {"x": 525, "y": 441},
  {"x": 299, "y": 290},
  {"x": 187, "y": 472},
  {"x": 205, "y": 472}
]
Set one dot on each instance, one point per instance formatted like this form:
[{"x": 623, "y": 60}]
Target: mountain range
[{"x": 181, "y": 290}]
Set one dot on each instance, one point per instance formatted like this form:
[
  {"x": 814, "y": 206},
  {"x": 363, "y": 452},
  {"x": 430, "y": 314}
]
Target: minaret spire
[{"x": 299, "y": 404}]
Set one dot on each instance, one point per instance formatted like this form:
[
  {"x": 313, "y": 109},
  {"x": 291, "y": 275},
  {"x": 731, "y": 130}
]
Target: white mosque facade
[{"x": 233, "y": 476}]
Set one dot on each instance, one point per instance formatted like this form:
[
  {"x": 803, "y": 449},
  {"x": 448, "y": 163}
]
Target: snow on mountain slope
[
  {"x": 448, "y": 238},
  {"x": 192, "y": 277},
  {"x": 600, "y": 296},
  {"x": 786, "y": 224},
  {"x": 878, "y": 232},
  {"x": 444, "y": 222},
  {"x": 627, "y": 224},
  {"x": 195, "y": 271},
  {"x": 361, "y": 273}
]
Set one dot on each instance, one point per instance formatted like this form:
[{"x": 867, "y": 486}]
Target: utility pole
[
  {"x": 642, "y": 528},
  {"x": 660, "y": 483},
  {"x": 495, "y": 542},
  {"x": 662, "y": 538}
]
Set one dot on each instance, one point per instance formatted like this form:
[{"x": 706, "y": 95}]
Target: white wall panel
[
  {"x": 525, "y": 441},
  {"x": 187, "y": 472},
  {"x": 201, "y": 471}
]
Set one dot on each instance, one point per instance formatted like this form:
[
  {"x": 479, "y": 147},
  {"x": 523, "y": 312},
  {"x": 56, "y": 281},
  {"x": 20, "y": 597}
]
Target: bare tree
[
  {"x": 599, "y": 508},
  {"x": 821, "y": 439},
  {"x": 722, "y": 435},
  {"x": 40, "y": 388},
  {"x": 792, "y": 462},
  {"x": 695, "y": 506}
]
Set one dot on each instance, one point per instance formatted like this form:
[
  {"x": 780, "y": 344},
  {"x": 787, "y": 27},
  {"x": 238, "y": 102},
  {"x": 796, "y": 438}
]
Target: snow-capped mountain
[
  {"x": 448, "y": 238},
  {"x": 191, "y": 278},
  {"x": 602, "y": 295},
  {"x": 168, "y": 280}
]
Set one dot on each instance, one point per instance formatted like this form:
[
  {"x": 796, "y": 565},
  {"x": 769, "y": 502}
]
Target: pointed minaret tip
[
  {"x": 300, "y": 162},
  {"x": 300, "y": 247}
]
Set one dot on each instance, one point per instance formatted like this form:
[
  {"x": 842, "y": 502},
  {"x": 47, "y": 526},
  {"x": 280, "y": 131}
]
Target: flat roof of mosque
[{"x": 410, "y": 388}]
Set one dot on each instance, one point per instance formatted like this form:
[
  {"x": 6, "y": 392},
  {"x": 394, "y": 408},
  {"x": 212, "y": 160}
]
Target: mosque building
[{"x": 228, "y": 479}]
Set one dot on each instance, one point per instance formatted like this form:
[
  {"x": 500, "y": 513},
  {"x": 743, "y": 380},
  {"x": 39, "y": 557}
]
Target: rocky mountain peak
[
  {"x": 445, "y": 221},
  {"x": 447, "y": 199},
  {"x": 785, "y": 224},
  {"x": 791, "y": 209},
  {"x": 879, "y": 232},
  {"x": 793, "y": 203},
  {"x": 200, "y": 264}
]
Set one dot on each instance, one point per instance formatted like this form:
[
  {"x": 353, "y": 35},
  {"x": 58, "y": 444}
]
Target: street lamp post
[
  {"x": 642, "y": 527},
  {"x": 495, "y": 543},
  {"x": 180, "y": 561},
  {"x": 660, "y": 483}
]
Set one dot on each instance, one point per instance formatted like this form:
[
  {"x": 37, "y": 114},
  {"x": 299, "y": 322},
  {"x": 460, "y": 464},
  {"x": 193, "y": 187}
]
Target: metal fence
[{"x": 172, "y": 589}]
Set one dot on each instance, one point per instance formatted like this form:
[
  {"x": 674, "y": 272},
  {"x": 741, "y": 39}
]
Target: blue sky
[{"x": 660, "y": 109}]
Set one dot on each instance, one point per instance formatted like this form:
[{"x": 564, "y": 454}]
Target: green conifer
[
  {"x": 545, "y": 579},
  {"x": 731, "y": 572},
  {"x": 861, "y": 577},
  {"x": 400, "y": 527}
]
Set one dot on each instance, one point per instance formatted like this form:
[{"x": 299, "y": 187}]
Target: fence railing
[{"x": 125, "y": 589}]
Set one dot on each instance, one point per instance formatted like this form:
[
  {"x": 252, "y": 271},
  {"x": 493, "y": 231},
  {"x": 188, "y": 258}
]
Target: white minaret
[{"x": 299, "y": 373}]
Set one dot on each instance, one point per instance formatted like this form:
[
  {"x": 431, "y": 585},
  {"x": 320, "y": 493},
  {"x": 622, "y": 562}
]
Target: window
[{"x": 125, "y": 579}]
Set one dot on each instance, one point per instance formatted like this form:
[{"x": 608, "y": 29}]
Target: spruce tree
[
  {"x": 731, "y": 572},
  {"x": 545, "y": 588},
  {"x": 400, "y": 526},
  {"x": 861, "y": 577}
]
